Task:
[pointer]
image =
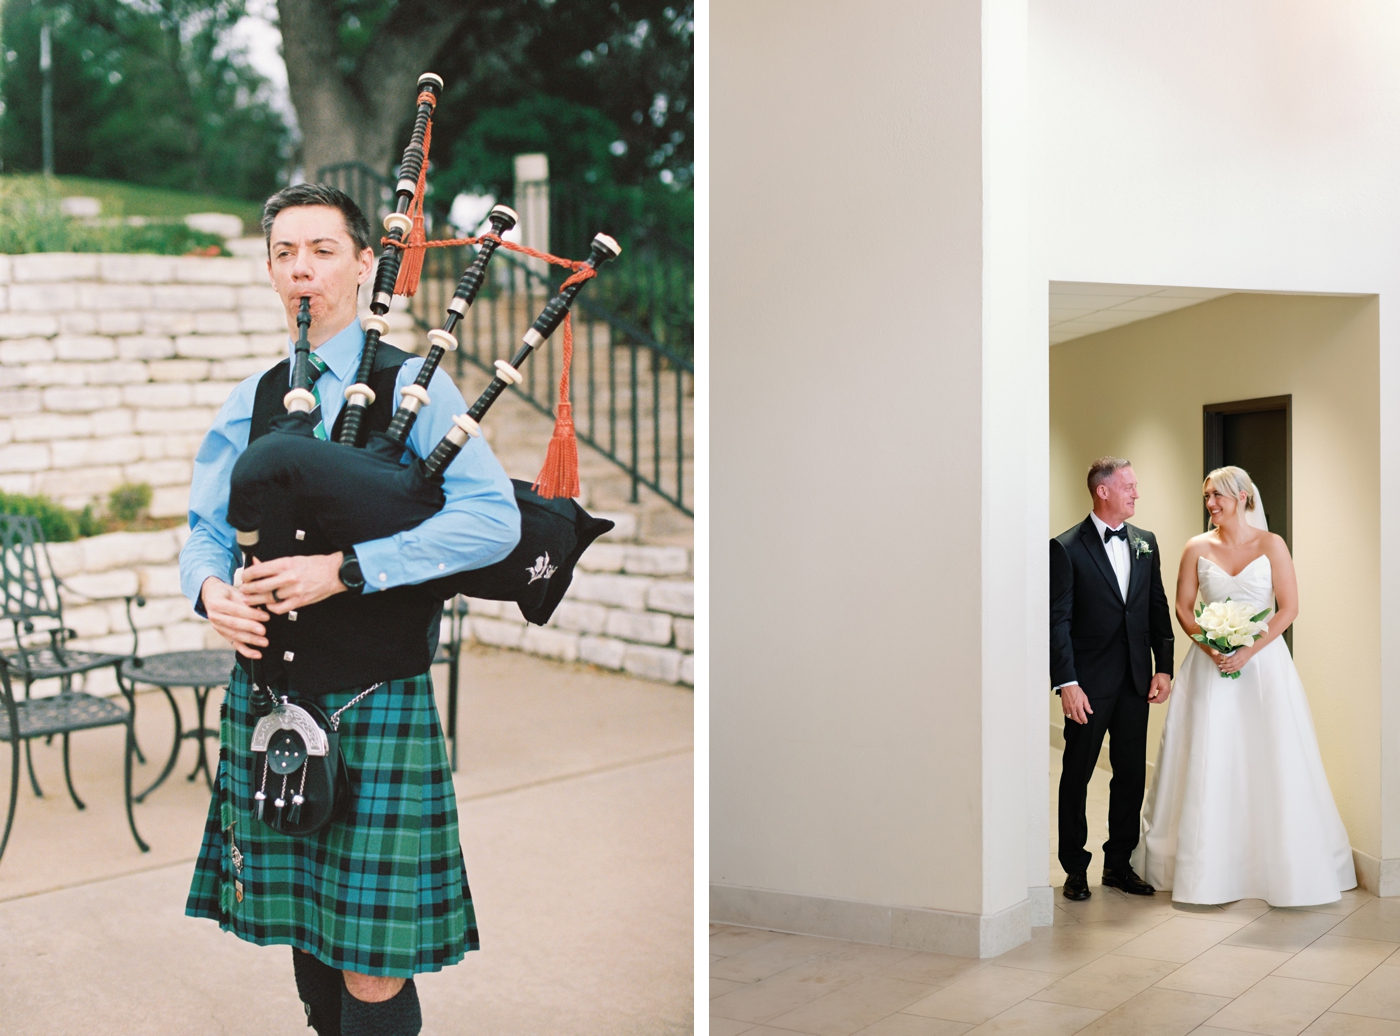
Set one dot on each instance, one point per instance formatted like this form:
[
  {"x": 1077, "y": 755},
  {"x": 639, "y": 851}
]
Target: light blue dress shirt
[{"x": 479, "y": 525}]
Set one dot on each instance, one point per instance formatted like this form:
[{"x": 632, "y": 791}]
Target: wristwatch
[{"x": 350, "y": 573}]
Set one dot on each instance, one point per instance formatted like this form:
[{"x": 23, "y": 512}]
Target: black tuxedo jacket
[{"x": 1096, "y": 637}]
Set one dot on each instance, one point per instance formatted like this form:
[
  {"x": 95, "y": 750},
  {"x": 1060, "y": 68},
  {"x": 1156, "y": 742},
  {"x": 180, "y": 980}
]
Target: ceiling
[{"x": 1079, "y": 308}]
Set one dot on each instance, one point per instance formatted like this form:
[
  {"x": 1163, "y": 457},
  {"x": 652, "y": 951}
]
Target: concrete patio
[{"x": 575, "y": 794}]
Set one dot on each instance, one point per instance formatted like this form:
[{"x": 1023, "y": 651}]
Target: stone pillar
[{"x": 532, "y": 203}]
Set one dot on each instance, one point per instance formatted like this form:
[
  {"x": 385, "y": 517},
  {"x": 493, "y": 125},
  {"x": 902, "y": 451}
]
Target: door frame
[{"x": 1213, "y": 443}]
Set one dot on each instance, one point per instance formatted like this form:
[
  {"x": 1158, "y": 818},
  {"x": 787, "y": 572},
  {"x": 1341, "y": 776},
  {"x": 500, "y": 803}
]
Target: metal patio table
[{"x": 202, "y": 670}]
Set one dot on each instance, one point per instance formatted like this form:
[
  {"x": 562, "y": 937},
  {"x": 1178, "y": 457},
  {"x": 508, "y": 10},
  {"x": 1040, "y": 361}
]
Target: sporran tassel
[{"x": 559, "y": 476}]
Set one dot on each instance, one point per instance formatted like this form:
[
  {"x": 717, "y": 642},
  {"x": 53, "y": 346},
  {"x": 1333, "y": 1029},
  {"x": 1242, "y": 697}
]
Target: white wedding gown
[{"x": 1240, "y": 807}]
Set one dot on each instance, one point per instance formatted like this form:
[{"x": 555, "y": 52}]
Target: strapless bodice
[{"x": 1255, "y": 583}]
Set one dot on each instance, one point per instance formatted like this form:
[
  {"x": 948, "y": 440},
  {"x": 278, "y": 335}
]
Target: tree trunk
[{"x": 357, "y": 117}]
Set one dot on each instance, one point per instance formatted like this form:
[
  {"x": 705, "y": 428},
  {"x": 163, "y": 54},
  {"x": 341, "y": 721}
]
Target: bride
[{"x": 1240, "y": 807}]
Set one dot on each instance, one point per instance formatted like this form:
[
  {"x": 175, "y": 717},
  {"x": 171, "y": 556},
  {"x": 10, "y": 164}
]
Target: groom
[{"x": 1110, "y": 655}]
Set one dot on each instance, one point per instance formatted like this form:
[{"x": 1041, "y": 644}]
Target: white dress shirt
[{"x": 1117, "y": 554}]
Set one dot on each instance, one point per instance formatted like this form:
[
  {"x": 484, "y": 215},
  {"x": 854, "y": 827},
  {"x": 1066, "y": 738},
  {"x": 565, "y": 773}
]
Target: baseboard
[
  {"x": 1042, "y": 900},
  {"x": 1376, "y": 876},
  {"x": 912, "y": 928}
]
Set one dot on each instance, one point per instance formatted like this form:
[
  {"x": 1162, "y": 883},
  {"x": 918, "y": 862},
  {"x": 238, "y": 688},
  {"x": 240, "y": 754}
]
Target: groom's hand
[
  {"x": 1160, "y": 690},
  {"x": 1075, "y": 703}
]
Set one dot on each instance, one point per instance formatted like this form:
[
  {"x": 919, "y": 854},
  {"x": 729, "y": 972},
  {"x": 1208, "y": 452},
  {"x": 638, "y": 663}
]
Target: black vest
[{"x": 349, "y": 640}]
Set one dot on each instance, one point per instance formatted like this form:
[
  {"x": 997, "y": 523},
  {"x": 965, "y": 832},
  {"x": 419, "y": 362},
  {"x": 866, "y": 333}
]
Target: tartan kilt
[{"x": 382, "y": 891}]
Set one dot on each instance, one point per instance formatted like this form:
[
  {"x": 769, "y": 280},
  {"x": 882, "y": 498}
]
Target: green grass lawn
[{"x": 129, "y": 199}]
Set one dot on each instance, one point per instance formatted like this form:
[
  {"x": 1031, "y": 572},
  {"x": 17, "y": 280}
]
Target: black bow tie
[{"x": 1121, "y": 532}]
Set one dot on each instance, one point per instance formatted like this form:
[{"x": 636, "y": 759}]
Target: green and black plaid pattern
[
  {"x": 381, "y": 892},
  {"x": 318, "y": 367}
]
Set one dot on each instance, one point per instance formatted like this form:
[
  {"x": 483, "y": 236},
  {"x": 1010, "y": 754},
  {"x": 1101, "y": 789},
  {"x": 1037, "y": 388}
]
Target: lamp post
[{"x": 46, "y": 104}]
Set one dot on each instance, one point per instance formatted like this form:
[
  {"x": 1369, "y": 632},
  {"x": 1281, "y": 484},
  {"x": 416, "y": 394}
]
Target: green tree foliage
[{"x": 145, "y": 91}]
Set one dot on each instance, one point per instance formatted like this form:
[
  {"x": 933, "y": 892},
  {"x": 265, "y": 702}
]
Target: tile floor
[{"x": 1113, "y": 964}]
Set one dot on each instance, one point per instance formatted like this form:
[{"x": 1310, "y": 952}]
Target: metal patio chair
[
  {"x": 449, "y": 654},
  {"x": 32, "y": 604}
]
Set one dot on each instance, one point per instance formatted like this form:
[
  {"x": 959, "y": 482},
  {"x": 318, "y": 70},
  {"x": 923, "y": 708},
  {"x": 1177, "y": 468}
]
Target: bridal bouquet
[{"x": 1227, "y": 625}]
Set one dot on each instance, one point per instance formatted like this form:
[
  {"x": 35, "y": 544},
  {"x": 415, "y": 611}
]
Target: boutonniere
[{"x": 1141, "y": 548}]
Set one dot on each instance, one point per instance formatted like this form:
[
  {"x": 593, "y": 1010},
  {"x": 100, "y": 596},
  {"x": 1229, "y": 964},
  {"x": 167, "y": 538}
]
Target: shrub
[
  {"x": 59, "y": 523},
  {"x": 31, "y": 220},
  {"x": 129, "y": 501}
]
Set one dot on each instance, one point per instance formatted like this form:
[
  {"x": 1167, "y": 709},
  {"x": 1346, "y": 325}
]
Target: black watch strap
[{"x": 350, "y": 573}]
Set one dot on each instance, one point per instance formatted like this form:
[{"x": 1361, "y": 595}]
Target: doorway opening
[{"x": 1257, "y": 435}]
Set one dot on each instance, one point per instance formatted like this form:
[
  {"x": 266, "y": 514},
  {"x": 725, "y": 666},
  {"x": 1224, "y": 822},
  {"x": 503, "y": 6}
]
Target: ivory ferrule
[
  {"x": 298, "y": 400},
  {"x": 246, "y": 539},
  {"x": 443, "y": 339},
  {"x": 375, "y": 324},
  {"x": 463, "y": 428},
  {"x": 533, "y": 338},
  {"x": 413, "y": 397},
  {"x": 397, "y": 220},
  {"x": 359, "y": 394},
  {"x": 430, "y": 76},
  {"x": 506, "y": 372},
  {"x": 608, "y": 242}
]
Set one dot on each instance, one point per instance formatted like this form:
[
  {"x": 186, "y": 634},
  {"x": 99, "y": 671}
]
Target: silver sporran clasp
[{"x": 287, "y": 716}]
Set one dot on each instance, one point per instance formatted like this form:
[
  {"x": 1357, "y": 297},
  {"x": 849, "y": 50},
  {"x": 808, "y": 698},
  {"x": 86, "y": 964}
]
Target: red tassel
[
  {"x": 411, "y": 267},
  {"x": 559, "y": 476}
]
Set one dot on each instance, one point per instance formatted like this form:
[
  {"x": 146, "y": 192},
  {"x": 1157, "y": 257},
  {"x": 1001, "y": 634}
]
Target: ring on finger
[{"x": 274, "y": 595}]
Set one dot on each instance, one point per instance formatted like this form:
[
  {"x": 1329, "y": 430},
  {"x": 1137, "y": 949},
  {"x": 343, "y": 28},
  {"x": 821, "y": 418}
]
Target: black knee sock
[
  {"x": 400, "y": 1015},
  {"x": 319, "y": 987}
]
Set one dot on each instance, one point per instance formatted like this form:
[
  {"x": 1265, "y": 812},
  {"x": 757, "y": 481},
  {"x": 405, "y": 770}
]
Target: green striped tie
[{"x": 318, "y": 367}]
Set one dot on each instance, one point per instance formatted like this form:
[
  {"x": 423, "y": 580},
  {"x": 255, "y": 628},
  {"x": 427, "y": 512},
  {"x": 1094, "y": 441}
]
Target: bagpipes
[{"x": 294, "y": 494}]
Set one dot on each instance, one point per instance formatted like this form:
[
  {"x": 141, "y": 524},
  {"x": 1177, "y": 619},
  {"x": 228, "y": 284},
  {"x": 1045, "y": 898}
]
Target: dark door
[{"x": 1256, "y": 434}]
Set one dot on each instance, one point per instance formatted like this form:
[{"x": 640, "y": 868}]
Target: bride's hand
[{"x": 1234, "y": 662}]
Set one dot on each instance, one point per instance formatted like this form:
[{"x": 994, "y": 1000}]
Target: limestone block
[
  {"x": 212, "y": 640},
  {"x": 643, "y": 627},
  {"x": 145, "y": 347},
  {"x": 215, "y": 270},
  {"x": 113, "y": 422},
  {"x": 159, "y": 611},
  {"x": 53, "y": 266},
  {"x": 7, "y": 432},
  {"x": 496, "y": 633},
  {"x": 78, "y": 322},
  {"x": 602, "y": 557},
  {"x": 161, "y": 581},
  {"x": 213, "y": 393},
  {"x": 625, "y": 527},
  {"x": 178, "y": 370},
  {"x": 5, "y": 269},
  {"x": 168, "y": 322},
  {"x": 25, "y": 325},
  {"x": 653, "y": 663},
  {"x": 212, "y": 347},
  {"x": 43, "y": 298},
  {"x": 237, "y": 370},
  {"x": 126, "y": 549},
  {"x": 74, "y": 487},
  {"x": 262, "y": 320},
  {"x": 102, "y": 586},
  {"x": 97, "y": 297},
  {"x": 551, "y": 643},
  {"x": 603, "y": 651},
  {"x": 657, "y": 561},
  {"x": 20, "y": 401},
  {"x": 66, "y": 558},
  {"x": 86, "y": 453},
  {"x": 170, "y": 501},
  {"x": 116, "y": 372},
  {"x": 55, "y": 374},
  {"x": 688, "y": 670},
  {"x": 485, "y": 609},
  {"x": 12, "y": 377},
  {"x": 185, "y": 636},
  {"x": 159, "y": 394},
  {"x": 685, "y": 633},
  {"x": 151, "y": 642},
  {"x": 268, "y": 344},
  {"x": 27, "y": 350},
  {"x": 158, "y": 447},
  {"x": 575, "y": 615},
  {"x": 194, "y": 419},
  {"x": 15, "y": 482},
  {"x": 89, "y": 620},
  {"x": 674, "y": 597},
  {"x": 510, "y": 612},
  {"x": 261, "y": 296},
  {"x": 159, "y": 472},
  {"x": 620, "y": 591},
  {"x": 24, "y": 457},
  {"x": 127, "y": 269},
  {"x": 75, "y": 399},
  {"x": 119, "y": 322},
  {"x": 84, "y": 347},
  {"x": 217, "y": 322},
  {"x": 36, "y": 427},
  {"x": 103, "y": 682},
  {"x": 220, "y": 223},
  {"x": 191, "y": 298},
  {"x": 182, "y": 533}
]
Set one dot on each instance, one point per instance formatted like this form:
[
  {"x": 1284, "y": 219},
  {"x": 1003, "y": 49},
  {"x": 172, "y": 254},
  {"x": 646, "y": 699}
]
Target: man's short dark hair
[
  {"x": 1102, "y": 470},
  {"x": 317, "y": 194}
]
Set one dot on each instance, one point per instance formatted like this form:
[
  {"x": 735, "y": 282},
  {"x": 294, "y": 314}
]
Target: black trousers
[{"x": 1123, "y": 717}]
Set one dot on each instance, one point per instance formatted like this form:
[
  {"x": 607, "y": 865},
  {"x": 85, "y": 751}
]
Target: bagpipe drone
[{"x": 294, "y": 494}]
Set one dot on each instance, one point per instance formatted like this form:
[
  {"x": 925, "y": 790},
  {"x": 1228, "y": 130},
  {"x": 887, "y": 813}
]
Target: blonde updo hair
[{"x": 1234, "y": 481}]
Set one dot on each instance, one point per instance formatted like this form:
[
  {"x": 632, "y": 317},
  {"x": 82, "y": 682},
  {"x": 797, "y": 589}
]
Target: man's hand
[
  {"x": 1075, "y": 703},
  {"x": 233, "y": 618},
  {"x": 292, "y": 582},
  {"x": 1160, "y": 690}
]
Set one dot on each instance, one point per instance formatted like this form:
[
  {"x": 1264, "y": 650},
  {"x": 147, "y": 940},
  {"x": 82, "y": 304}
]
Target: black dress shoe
[
  {"x": 1077, "y": 886},
  {"x": 1127, "y": 881}
]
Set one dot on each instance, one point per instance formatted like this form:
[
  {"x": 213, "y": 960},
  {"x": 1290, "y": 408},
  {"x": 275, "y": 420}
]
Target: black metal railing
[
  {"x": 632, "y": 396},
  {"x": 373, "y": 192}
]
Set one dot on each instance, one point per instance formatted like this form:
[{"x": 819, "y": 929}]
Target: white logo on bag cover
[{"x": 542, "y": 568}]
